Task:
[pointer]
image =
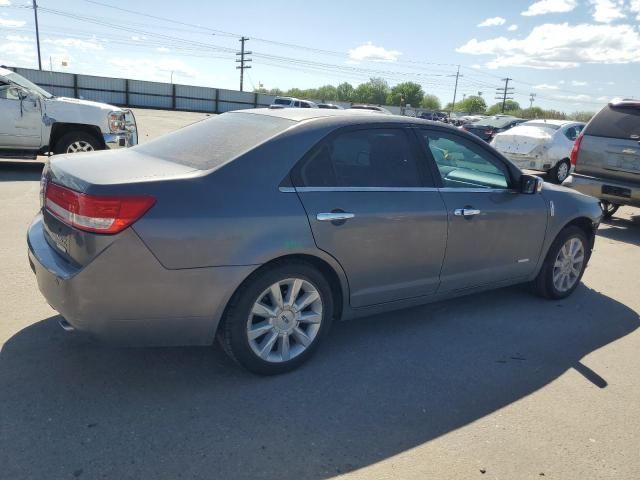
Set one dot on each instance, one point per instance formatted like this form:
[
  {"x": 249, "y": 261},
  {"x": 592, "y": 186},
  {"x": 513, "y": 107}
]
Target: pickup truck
[{"x": 34, "y": 122}]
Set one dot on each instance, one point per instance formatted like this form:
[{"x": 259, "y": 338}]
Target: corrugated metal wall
[{"x": 137, "y": 93}]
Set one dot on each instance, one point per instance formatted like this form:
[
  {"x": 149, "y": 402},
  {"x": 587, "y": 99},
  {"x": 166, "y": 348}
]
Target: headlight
[{"x": 116, "y": 122}]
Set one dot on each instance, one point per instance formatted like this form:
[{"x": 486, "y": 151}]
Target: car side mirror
[{"x": 530, "y": 184}]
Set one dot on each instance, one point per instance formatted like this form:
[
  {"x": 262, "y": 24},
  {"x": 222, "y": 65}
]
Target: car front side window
[
  {"x": 362, "y": 158},
  {"x": 461, "y": 164}
]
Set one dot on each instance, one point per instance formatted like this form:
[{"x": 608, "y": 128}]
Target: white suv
[{"x": 290, "y": 102}]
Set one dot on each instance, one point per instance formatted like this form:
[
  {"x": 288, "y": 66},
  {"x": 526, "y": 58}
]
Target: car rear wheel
[
  {"x": 561, "y": 171},
  {"x": 608, "y": 208},
  {"x": 276, "y": 320},
  {"x": 76, "y": 142},
  {"x": 564, "y": 265}
]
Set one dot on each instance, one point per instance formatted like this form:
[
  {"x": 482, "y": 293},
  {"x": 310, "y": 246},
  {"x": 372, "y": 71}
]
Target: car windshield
[
  {"x": 212, "y": 142},
  {"x": 495, "y": 122},
  {"x": 23, "y": 82}
]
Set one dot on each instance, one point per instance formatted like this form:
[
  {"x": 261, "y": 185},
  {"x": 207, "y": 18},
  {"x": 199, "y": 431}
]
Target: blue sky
[{"x": 574, "y": 54}]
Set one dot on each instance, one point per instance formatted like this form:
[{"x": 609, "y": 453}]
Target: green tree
[
  {"x": 472, "y": 104},
  {"x": 430, "y": 102},
  {"x": 326, "y": 92},
  {"x": 407, "y": 93},
  {"x": 509, "y": 107},
  {"x": 344, "y": 92},
  {"x": 374, "y": 91}
]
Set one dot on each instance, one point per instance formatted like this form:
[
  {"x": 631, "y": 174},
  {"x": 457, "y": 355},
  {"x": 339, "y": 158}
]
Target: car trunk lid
[{"x": 521, "y": 140}]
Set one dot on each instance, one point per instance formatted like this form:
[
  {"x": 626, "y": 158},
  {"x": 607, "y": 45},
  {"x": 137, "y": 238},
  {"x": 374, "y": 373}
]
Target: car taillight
[
  {"x": 574, "y": 151},
  {"x": 92, "y": 213}
]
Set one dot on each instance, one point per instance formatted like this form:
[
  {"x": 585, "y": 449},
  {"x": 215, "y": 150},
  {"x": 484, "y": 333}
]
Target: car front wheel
[
  {"x": 564, "y": 265},
  {"x": 76, "y": 142},
  {"x": 277, "y": 318},
  {"x": 608, "y": 208}
]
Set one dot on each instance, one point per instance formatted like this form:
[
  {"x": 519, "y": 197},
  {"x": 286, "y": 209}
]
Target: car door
[
  {"x": 372, "y": 205},
  {"x": 20, "y": 119},
  {"x": 495, "y": 233}
]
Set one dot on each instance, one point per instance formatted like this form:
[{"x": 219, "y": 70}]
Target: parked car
[
  {"x": 290, "y": 102},
  {"x": 262, "y": 226},
  {"x": 433, "y": 116},
  {"x": 543, "y": 145},
  {"x": 372, "y": 108},
  {"x": 330, "y": 106},
  {"x": 488, "y": 127},
  {"x": 606, "y": 156},
  {"x": 34, "y": 122}
]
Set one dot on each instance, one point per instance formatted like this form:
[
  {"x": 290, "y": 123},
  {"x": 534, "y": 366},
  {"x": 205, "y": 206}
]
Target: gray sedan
[{"x": 261, "y": 227}]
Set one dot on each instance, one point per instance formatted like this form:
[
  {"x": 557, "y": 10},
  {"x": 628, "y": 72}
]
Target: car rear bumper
[
  {"x": 126, "y": 296},
  {"x": 615, "y": 192}
]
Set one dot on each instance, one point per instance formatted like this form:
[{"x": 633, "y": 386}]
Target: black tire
[
  {"x": 558, "y": 174},
  {"x": 232, "y": 333},
  {"x": 608, "y": 208},
  {"x": 543, "y": 284},
  {"x": 69, "y": 138}
]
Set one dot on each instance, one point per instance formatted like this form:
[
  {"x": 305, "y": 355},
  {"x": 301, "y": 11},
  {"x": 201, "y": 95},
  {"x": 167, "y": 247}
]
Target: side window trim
[
  {"x": 426, "y": 179},
  {"x": 436, "y": 173}
]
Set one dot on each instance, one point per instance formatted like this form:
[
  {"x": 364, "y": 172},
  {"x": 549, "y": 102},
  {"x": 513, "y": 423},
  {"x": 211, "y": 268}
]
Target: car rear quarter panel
[{"x": 235, "y": 215}]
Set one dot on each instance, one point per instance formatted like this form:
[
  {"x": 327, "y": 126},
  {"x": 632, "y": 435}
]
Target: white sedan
[{"x": 543, "y": 145}]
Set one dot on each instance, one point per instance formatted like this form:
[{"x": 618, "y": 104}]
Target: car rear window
[
  {"x": 494, "y": 122},
  {"x": 216, "y": 140},
  {"x": 281, "y": 101},
  {"x": 615, "y": 123},
  {"x": 541, "y": 125}
]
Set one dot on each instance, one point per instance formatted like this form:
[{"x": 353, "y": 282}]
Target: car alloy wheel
[
  {"x": 562, "y": 171},
  {"x": 80, "y": 146},
  {"x": 284, "y": 320},
  {"x": 568, "y": 264}
]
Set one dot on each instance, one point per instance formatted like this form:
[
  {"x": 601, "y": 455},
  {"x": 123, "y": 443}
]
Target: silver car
[
  {"x": 261, "y": 227},
  {"x": 543, "y": 145}
]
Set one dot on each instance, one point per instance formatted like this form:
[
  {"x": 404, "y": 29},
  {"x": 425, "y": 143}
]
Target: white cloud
[
  {"x": 7, "y": 22},
  {"x": 575, "y": 98},
  {"x": 368, "y": 51},
  {"x": 543, "y": 7},
  {"x": 603, "y": 99},
  {"x": 634, "y": 6},
  {"x": 492, "y": 22},
  {"x": 19, "y": 38},
  {"x": 611, "y": 83},
  {"x": 152, "y": 69},
  {"x": 17, "y": 52},
  {"x": 163, "y": 49},
  {"x": 82, "y": 45},
  {"x": 579, "y": 83},
  {"x": 560, "y": 46},
  {"x": 512, "y": 28},
  {"x": 4, "y": 3},
  {"x": 546, "y": 86},
  {"x": 606, "y": 11}
]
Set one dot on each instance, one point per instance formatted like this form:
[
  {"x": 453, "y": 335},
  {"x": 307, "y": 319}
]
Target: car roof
[
  {"x": 4, "y": 71},
  {"x": 346, "y": 116},
  {"x": 559, "y": 123}
]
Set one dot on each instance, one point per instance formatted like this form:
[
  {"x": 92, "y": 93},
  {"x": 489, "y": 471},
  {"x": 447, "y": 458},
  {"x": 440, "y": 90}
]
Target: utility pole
[
  {"x": 505, "y": 93},
  {"x": 532, "y": 97},
  {"x": 35, "y": 13},
  {"x": 455, "y": 92},
  {"x": 242, "y": 67}
]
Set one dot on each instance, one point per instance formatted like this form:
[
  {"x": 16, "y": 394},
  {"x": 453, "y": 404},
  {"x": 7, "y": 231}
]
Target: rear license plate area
[{"x": 616, "y": 191}]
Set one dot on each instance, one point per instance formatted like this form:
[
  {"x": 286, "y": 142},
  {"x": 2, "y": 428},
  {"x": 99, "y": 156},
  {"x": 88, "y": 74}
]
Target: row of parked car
[{"x": 292, "y": 102}]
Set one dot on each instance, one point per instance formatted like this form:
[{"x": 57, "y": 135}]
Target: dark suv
[{"x": 607, "y": 156}]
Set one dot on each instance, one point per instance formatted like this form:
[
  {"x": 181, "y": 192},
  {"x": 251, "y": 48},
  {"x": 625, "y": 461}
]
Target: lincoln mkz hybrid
[{"x": 261, "y": 227}]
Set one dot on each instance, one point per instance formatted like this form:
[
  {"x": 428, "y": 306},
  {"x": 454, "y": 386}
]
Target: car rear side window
[
  {"x": 216, "y": 140},
  {"x": 615, "y": 123},
  {"x": 362, "y": 158}
]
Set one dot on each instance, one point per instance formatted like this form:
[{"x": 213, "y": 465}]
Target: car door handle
[
  {"x": 466, "y": 212},
  {"x": 334, "y": 216}
]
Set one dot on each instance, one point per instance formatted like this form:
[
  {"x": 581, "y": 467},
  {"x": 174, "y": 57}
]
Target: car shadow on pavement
[
  {"x": 20, "y": 171},
  {"x": 72, "y": 407},
  {"x": 622, "y": 229}
]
